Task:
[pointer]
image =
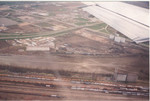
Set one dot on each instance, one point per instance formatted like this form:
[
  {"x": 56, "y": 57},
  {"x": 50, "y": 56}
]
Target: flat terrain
[
  {"x": 81, "y": 59},
  {"x": 87, "y": 64},
  {"x": 7, "y": 22}
]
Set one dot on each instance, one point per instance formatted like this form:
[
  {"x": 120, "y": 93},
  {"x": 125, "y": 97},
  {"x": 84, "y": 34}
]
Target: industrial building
[
  {"x": 123, "y": 77},
  {"x": 37, "y": 48},
  {"x": 132, "y": 77}
]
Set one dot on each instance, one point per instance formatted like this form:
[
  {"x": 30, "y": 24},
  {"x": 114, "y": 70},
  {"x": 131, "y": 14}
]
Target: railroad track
[{"x": 73, "y": 85}]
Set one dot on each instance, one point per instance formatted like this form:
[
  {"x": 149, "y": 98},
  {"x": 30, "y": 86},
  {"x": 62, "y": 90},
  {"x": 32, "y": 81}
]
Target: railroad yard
[{"x": 57, "y": 51}]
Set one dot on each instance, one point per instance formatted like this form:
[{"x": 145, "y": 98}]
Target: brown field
[
  {"x": 22, "y": 29},
  {"x": 7, "y": 22},
  {"x": 105, "y": 65},
  {"x": 111, "y": 55},
  {"x": 102, "y": 45}
]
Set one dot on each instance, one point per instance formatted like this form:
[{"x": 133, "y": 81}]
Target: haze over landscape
[{"x": 72, "y": 51}]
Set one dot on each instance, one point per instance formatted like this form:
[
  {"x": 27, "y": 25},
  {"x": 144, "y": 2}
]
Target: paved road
[{"x": 54, "y": 33}]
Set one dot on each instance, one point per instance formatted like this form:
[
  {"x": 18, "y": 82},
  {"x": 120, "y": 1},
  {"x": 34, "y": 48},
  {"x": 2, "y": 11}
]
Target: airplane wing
[{"x": 130, "y": 20}]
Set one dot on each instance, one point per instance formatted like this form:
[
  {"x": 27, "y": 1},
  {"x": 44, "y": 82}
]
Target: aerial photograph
[{"x": 74, "y": 50}]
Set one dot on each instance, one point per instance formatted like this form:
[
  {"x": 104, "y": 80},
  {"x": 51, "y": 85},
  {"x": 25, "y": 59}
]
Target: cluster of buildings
[
  {"x": 117, "y": 38},
  {"x": 36, "y": 44},
  {"x": 125, "y": 77},
  {"x": 3, "y": 28}
]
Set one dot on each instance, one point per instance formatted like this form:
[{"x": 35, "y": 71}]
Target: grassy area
[
  {"x": 81, "y": 19},
  {"x": 98, "y": 26},
  {"x": 13, "y": 33},
  {"x": 51, "y": 14},
  {"x": 37, "y": 17},
  {"x": 104, "y": 31},
  {"x": 90, "y": 22},
  {"x": 11, "y": 36},
  {"x": 44, "y": 24},
  {"x": 19, "y": 35},
  {"x": 80, "y": 23},
  {"x": 16, "y": 34},
  {"x": 8, "y": 11},
  {"x": 14, "y": 18},
  {"x": 62, "y": 9},
  {"x": 33, "y": 35},
  {"x": 83, "y": 23}
]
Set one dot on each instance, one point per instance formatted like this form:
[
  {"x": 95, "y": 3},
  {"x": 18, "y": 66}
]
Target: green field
[
  {"x": 81, "y": 19},
  {"x": 98, "y": 26},
  {"x": 104, "y": 31},
  {"x": 80, "y": 23},
  {"x": 44, "y": 24},
  {"x": 14, "y": 35}
]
